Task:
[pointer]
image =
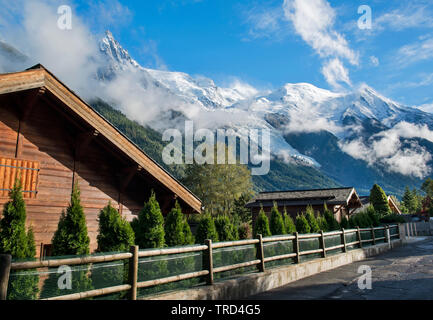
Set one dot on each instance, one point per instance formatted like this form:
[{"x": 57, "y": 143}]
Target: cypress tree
[
  {"x": 225, "y": 228},
  {"x": 289, "y": 224},
  {"x": 174, "y": 226},
  {"x": 379, "y": 200},
  {"x": 330, "y": 219},
  {"x": 276, "y": 222},
  {"x": 206, "y": 229},
  {"x": 262, "y": 225},
  {"x": 344, "y": 223},
  {"x": 149, "y": 226},
  {"x": 115, "y": 233},
  {"x": 309, "y": 215},
  {"x": 188, "y": 236},
  {"x": 14, "y": 240},
  {"x": 323, "y": 224},
  {"x": 302, "y": 225},
  {"x": 71, "y": 236}
]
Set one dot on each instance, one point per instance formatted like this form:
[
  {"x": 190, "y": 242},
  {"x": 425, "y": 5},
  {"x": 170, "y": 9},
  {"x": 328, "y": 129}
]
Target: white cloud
[
  {"x": 410, "y": 16},
  {"x": 266, "y": 23},
  {"x": 314, "y": 21},
  {"x": 428, "y": 107},
  {"x": 415, "y": 52},
  {"x": 335, "y": 73},
  {"x": 386, "y": 148},
  {"x": 374, "y": 61}
]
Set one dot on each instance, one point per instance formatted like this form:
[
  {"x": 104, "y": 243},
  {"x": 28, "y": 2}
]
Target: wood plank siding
[{"x": 56, "y": 133}]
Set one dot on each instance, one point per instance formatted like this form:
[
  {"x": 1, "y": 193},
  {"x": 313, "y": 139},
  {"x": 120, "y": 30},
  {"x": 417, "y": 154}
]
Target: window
[{"x": 28, "y": 171}]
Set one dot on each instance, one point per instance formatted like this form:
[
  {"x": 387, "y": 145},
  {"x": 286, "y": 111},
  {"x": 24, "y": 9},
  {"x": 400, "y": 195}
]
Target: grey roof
[{"x": 332, "y": 196}]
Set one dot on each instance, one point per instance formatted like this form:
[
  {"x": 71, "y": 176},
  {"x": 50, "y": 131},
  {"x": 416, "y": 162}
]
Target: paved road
[{"x": 404, "y": 273}]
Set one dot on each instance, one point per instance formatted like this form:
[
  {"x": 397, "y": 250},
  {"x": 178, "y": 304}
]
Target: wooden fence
[{"x": 208, "y": 271}]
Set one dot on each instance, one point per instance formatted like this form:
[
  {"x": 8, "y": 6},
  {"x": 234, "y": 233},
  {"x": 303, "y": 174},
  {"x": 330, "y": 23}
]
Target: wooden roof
[
  {"x": 334, "y": 196},
  {"x": 39, "y": 77}
]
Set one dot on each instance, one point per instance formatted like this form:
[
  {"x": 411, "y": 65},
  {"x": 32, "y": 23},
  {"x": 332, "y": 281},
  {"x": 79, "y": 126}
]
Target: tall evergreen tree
[
  {"x": 302, "y": 225},
  {"x": 206, "y": 229},
  {"x": 188, "y": 236},
  {"x": 115, "y": 233},
  {"x": 276, "y": 222},
  {"x": 225, "y": 228},
  {"x": 262, "y": 225},
  {"x": 71, "y": 237},
  {"x": 379, "y": 200},
  {"x": 149, "y": 226},
  {"x": 174, "y": 226},
  {"x": 289, "y": 224},
  {"x": 330, "y": 219},
  {"x": 312, "y": 221},
  {"x": 14, "y": 240}
]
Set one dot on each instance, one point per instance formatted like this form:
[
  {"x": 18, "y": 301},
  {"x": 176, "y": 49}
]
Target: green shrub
[
  {"x": 302, "y": 225},
  {"x": 289, "y": 223},
  {"x": 330, "y": 219},
  {"x": 262, "y": 225},
  {"x": 244, "y": 231},
  {"x": 379, "y": 200},
  {"x": 174, "y": 226},
  {"x": 71, "y": 236},
  {"x": 374, "y": 217},
  {"x": 115, "y": 233},
  {"x": 309, "y": 215},
  {"x": 206, "y": 229},
  {"x": 14, "y": 240},
  {"x": 188, "y": 236},
  {"x": 225, "y": 228},
  {"x": 392, "y": 218},
  {"x": 149, "y": 226},
  {"x": 323, "y": 224},
  {"x": 344, "y": 224},
  {"x": 276, "y": 221}
]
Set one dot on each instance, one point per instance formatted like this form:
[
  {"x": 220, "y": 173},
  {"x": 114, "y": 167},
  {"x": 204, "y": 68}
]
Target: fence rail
[{"x": 208, "y": 269}]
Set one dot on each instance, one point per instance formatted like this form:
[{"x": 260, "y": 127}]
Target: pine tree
[
  {"x": 379, "y": 200},
  {"x": 225, "y": 228},
  {"x": 309, "y": 215},
  {"x": 71, "y": 237},
  {"x": 14, "y": 240},
  {"x": 410, "y": 200},
  {"x": 323, "y": 224},
  {"x": 206, "y": 229},
  {"x": 149, "y": 226},
  {"x": 289, "y": 224},
  {"x": 302, "y": 225},
  {"x": 115, "y": 233},
  {"x": 174, "y": 226},
  {"x": 262, "y": 225},
  {"x": 188, "y": 236},
  {"x": 330, "y": 219},
  {"x": 276, "y": 221}
]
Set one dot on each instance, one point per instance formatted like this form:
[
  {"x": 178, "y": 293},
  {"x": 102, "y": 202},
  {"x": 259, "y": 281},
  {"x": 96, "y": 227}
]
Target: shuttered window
[{"x": 10, "y": 169}]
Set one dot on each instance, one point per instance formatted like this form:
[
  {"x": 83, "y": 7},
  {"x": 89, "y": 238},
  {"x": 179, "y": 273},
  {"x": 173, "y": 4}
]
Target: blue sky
[{"x": 269, "y": 43}]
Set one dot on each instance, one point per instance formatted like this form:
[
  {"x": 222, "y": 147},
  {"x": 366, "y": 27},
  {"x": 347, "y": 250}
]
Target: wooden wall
[{"x": 46, "y": 138}]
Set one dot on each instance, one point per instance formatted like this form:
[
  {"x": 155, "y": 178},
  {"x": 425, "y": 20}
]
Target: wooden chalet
[
  {"x": 53, "y": 138},
  {"x": 341, "y": 201}
]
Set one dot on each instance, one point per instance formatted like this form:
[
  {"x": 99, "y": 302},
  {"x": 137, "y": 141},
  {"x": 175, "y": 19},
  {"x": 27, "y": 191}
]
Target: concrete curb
[{"x": 251, "y": 284}]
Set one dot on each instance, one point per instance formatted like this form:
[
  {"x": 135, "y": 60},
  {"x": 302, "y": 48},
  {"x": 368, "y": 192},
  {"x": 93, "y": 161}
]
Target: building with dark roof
[{"x": 341, "y": 201}]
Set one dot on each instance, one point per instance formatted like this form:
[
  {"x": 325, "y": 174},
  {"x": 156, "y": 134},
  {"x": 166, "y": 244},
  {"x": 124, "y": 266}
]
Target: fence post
[
  {"x": 5, "y": 267},
  {"x": 414, "y": 229},
  {"x": 208, "y": 261},
  {"x": 343, "y": 240},
  {"x": 358, "y": 232},
  {"x": 322, "y": 244},
  {"x": 373, "y": 236},
  {"x": 296, "y": 248},
  {"x": 260, "y": 254},
  {"x": 388, "y": 236},
  {"x": 133, "y": 272}
]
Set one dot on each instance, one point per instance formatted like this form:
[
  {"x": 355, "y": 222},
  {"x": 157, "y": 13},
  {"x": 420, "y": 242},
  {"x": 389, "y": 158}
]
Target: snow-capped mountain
[{"x": 362, "y": 116}]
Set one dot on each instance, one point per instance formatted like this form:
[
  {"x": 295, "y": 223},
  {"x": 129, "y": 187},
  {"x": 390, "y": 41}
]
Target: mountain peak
[{"x": 120, "y": 58}]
